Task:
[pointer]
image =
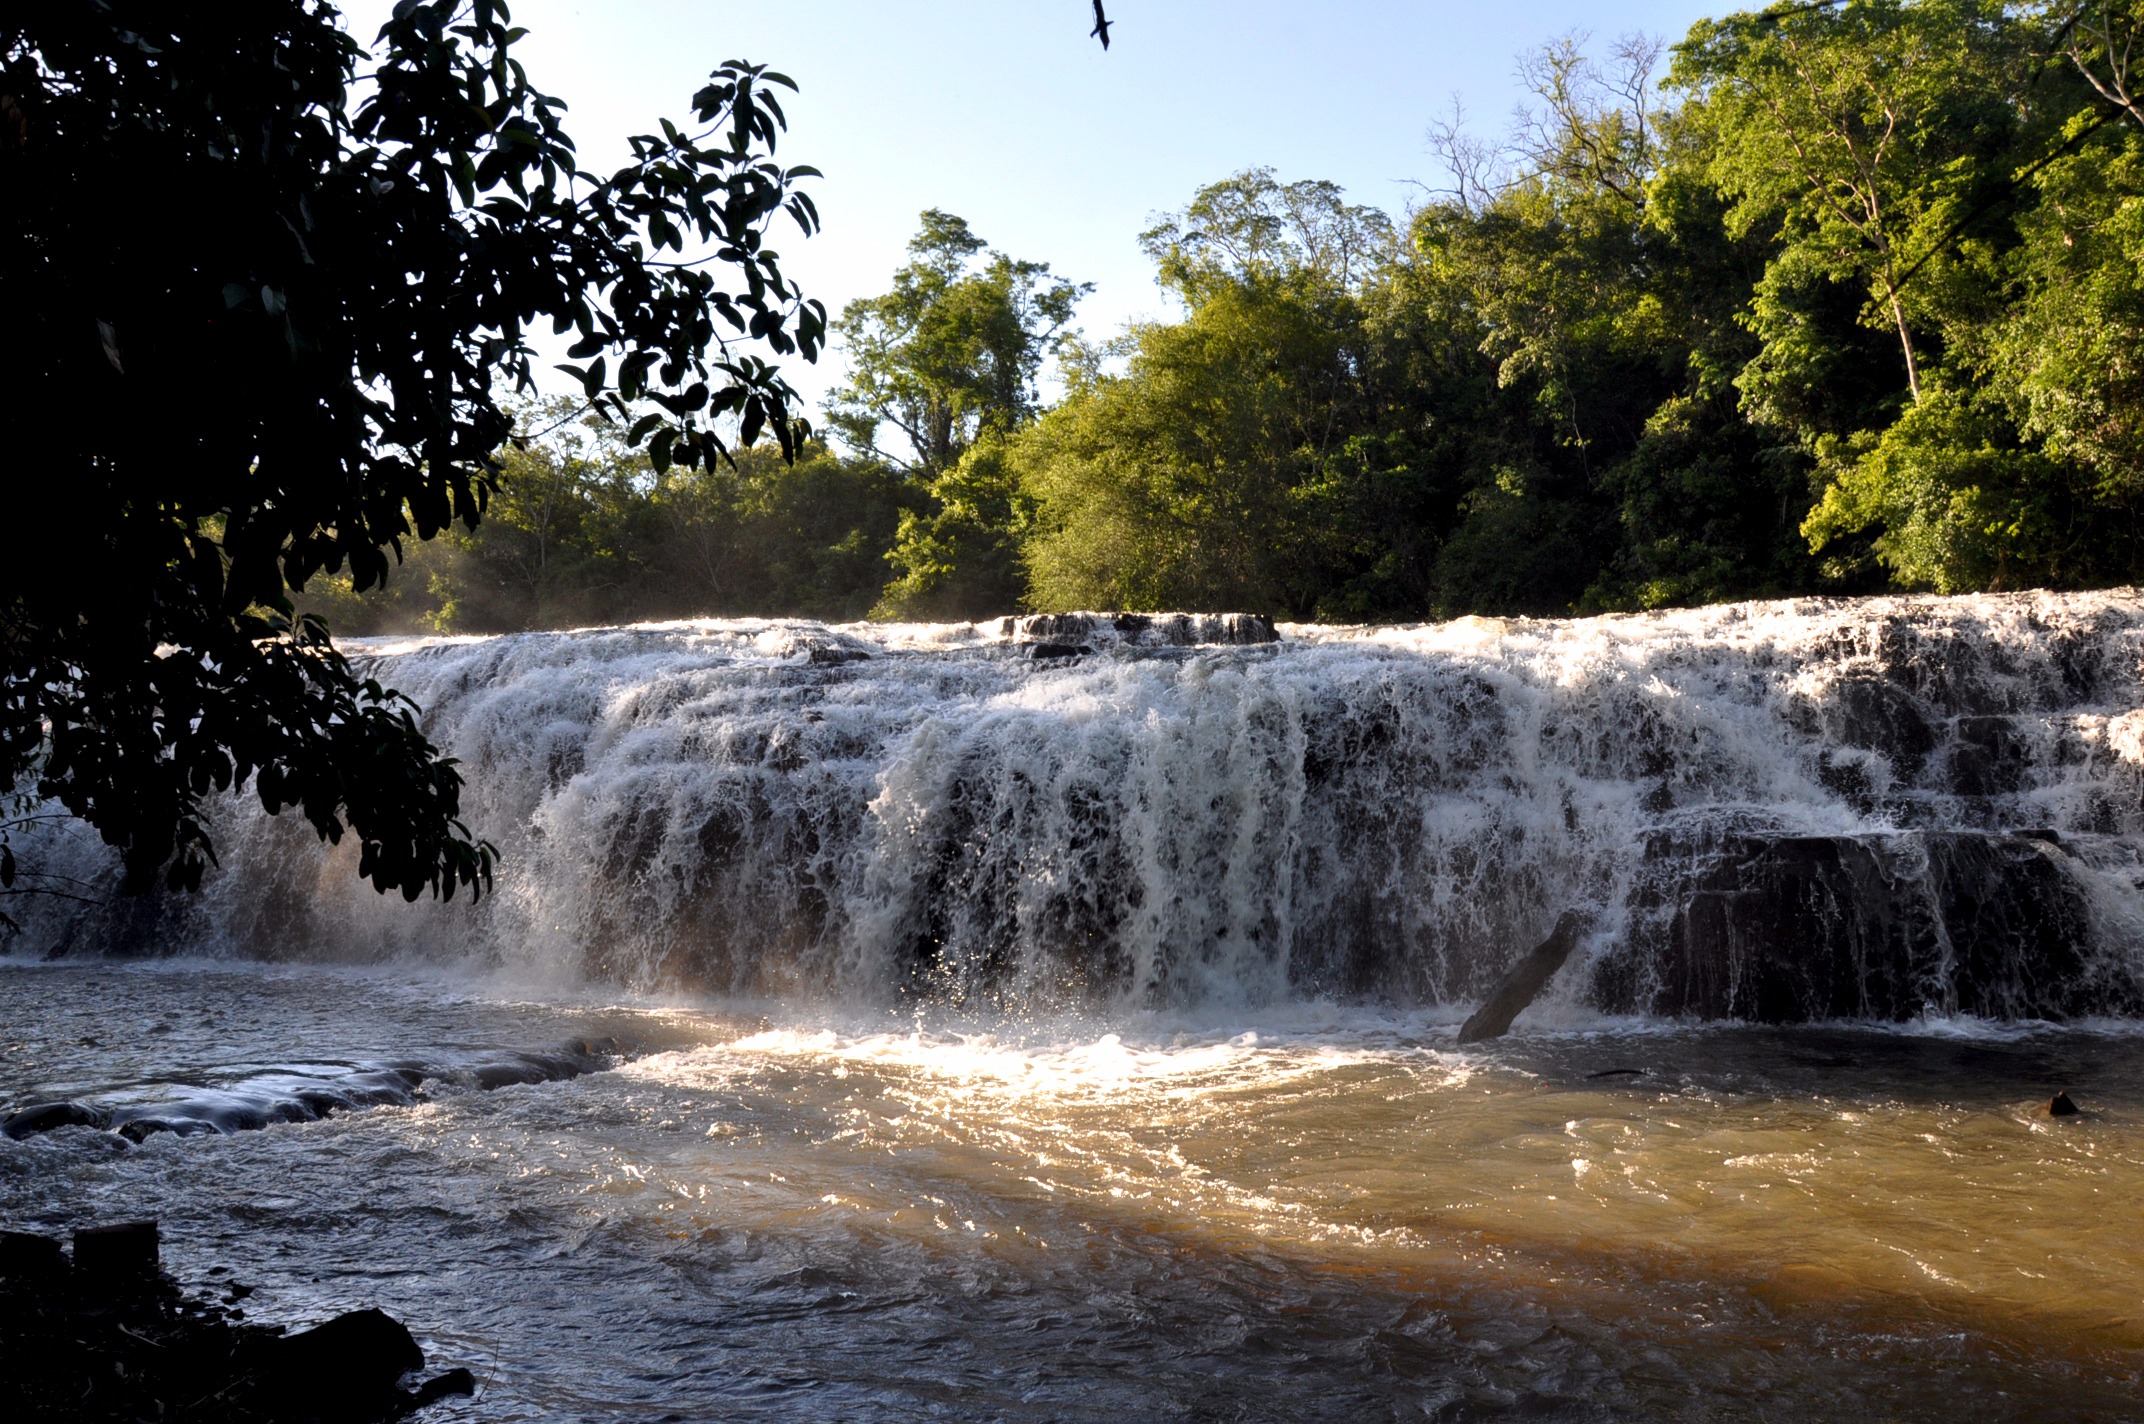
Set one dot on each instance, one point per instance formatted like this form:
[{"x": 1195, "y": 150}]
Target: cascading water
[{"x": 1782, "y": 811}]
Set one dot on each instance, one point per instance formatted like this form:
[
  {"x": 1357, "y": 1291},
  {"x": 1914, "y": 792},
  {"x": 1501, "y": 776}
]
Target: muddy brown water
[{"x": 1307, "y": 1213}]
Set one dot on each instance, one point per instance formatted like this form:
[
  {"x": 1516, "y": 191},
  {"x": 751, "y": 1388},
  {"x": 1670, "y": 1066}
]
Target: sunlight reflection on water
[{"x": 1323, "y": 1215}]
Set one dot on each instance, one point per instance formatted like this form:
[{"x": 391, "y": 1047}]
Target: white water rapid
[{"x": 1782, "y": 811}]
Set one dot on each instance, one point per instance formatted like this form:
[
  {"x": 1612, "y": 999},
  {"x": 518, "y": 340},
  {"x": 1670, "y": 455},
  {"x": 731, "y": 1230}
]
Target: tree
[
  {"x": 950, "y": 352},
  {"x": 2100, "y": 40},
  {"x": 961, "y": 558},
  {"x": 1192, "y": 480},
  {"x": 773, "y": 537},
  {"x": 1851, "y": 127},
  {"x": 558, "y": 546},
  {"x": 949, "y": 358},
  {"x": 264, "y": 287}
]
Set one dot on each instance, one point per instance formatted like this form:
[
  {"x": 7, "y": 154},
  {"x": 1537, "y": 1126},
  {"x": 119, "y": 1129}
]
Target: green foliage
[
  {"x": 949, "y": 359},
  {"x": 1956, "y": 502},
  {"x": 1857, "y": 132},
  {"x": 962, "y": 559},
  {"x": 583, "y": 531},
  {"x": 260, "y": 317},
  {"x": 1188, "y": 481},
  {"x": 2071, "y": 349},
  {"x": 1934, "y": 169},
  {"x": 1854, "y": 299},
  {"x": 772, "y": 538},
  {"x": 951, "y": 352}
]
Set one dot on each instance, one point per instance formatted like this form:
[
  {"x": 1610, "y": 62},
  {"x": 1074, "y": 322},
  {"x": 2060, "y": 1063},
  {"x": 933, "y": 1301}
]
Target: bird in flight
[{"x": 1101, "y": 25}]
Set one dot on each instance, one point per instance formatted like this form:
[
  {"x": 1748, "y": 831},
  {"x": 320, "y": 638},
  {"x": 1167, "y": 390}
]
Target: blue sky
[{"x": 1009, "y": 115}]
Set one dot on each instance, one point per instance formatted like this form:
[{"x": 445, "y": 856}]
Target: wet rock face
[
  {"x": 1788, "y": 929},
  {"x": 44, "y": 1117},
  {"x": 1868, "y": 712},
  {"x": 1168, "y": 630}
]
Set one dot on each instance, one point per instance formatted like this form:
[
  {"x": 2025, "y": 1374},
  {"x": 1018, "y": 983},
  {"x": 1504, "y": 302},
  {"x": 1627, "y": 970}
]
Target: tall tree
[
  {"x": 949, "y": 359},
  {"x": 1191, "y": 479},
  {"x": 1851, "y": 128},
  {"x": 951, "y": 351}
]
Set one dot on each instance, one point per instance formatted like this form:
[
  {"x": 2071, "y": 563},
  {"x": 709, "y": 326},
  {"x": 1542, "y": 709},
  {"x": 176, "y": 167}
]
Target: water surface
[{"x": 1294, "y": 1213}]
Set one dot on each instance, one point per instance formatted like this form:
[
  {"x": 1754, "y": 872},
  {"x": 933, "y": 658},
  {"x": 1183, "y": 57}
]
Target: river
[{"x": 909, "y": 1023}]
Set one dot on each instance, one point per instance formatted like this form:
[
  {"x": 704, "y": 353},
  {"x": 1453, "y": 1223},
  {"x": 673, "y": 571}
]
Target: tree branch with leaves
[{"x": 268, "y": 289}]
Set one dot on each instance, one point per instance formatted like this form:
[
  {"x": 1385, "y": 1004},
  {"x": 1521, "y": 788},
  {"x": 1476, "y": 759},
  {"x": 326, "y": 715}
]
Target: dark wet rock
[
  {"x": 294, "y": 1097},
  {"x": 118, "y": 1253},
  {"x": 1180, "y": 630},
  {"x": 138, "y": 1130},
  {"x": 453, "y": 1382},
  {"x": 349, "y": 1368},
  {"x": 72, "y": 1349},
  {"x": 1872, "y": 713},
  {"x": 1848, "y": 779},
  {"x": 2061, "y": 1106},
  {"x": 1046, "y": 652},
  {"x": 1788, "y": 929},
  {"x": 570, "y": 1062},
  {"x": 1988, "y": 757},
  {"x": 835, "y": 657},
  {"x": 27, "y": 1256},
  {"x": 1617, "y": 1073},
  {"x": 1524, "y": 981},
  {"x": 44, "y": 1117}
]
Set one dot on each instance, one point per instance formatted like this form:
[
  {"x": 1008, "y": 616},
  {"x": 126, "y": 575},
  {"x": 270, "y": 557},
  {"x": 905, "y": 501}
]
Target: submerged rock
[
  {"x": 44, "y": 1117},
  {"x": 312, "y": 1093}
]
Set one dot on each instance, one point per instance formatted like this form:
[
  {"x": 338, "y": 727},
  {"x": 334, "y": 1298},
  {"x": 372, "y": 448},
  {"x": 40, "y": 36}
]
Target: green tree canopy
[
  {"x": 1186, "y": 481},
  {"x": 951, "y": 351},
  {"x": 949, "y": 358}
]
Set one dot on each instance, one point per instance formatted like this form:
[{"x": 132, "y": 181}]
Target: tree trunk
[{"x": 1905, "y": 340}]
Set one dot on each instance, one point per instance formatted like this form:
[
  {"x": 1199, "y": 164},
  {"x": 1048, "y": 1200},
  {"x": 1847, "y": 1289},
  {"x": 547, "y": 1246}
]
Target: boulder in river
[
  {"x": 122, "y": 1253},
  {"x": 27, "y": 1256}
]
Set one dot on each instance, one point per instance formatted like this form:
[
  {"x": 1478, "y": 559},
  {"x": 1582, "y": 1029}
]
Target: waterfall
[{"x": 1868, "y": 808}]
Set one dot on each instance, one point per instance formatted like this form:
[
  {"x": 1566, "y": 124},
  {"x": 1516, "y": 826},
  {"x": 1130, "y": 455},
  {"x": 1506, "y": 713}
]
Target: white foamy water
[{"x": 1067, "y": 813}]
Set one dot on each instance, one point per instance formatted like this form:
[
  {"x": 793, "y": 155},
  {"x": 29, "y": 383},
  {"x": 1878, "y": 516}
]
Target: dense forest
[{"x": 1828, "y": 299}]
